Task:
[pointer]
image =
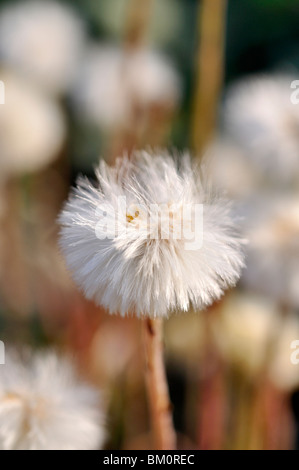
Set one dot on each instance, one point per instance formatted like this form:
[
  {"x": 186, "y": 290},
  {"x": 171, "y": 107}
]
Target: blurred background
[{"x": 86, "y": 80}]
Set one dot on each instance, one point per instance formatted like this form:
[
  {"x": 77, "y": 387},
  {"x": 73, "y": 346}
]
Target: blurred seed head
[
  {"x": 243, "y": 332},
  {"x": 230, "y": 170},
  {"x": 113, "y": 85},
  {"x": 260, "y": 117},
  {"x": 32, "y": 127},
  {"x": 42, "y": 40},
  {"x": 273, "y": 251},
  {"x": 44, "y": 406}
]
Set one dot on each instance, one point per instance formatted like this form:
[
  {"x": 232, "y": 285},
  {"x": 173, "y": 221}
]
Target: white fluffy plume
[
  {"x": 42, "y": 40},
  {"x": 134, "y": 271},
  {"x": 112, "y": 84},
  {"x": 43, "y": 406},
  {"x": 32, "y": 127},
  {"x": 261, "y": 118}
]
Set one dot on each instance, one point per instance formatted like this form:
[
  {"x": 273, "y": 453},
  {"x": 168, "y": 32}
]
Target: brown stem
[
  {"x": 210, "y": 68},
  {"x": 125, "y": 138},
  {"x": 139, "y": 15},
  {"x": 157, "y": 388}
]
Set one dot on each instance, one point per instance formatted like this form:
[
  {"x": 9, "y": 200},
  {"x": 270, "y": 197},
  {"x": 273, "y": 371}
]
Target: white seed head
[
  {"x": 42, "y": 40},
  {"x": 230, "y": 169},
  {"x": 244, "y": 331},
  {"x": 261, "y": 118},
  {"x": 32, "y": 127},
  {"x": 112, "y": 84},
  {"x": 43, "y": 406},
  {"x": 141, "y": 268},
  {"x": 273, "y": 251}
]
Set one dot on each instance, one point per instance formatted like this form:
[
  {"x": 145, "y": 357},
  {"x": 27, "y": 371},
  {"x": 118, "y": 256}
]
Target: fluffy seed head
[
  {"x": 262, "y": 119},
  {"x": 43, "y": 406},
  {"x": 112, "y": 85},
  {"x": 32, "y": 127},
  {"x": 42, "y": 40},
  {"x": 136, "y": 257},
  {"x": 273, "y": 251}
]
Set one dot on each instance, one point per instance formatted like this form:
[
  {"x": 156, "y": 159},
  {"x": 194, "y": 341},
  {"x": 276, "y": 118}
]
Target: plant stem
[
  {"x": 210, "y": 71},
  {"x": 138, "y": 20},
  {"x": 137, "y": 24},
  {"x": 157, "y": 387}
]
